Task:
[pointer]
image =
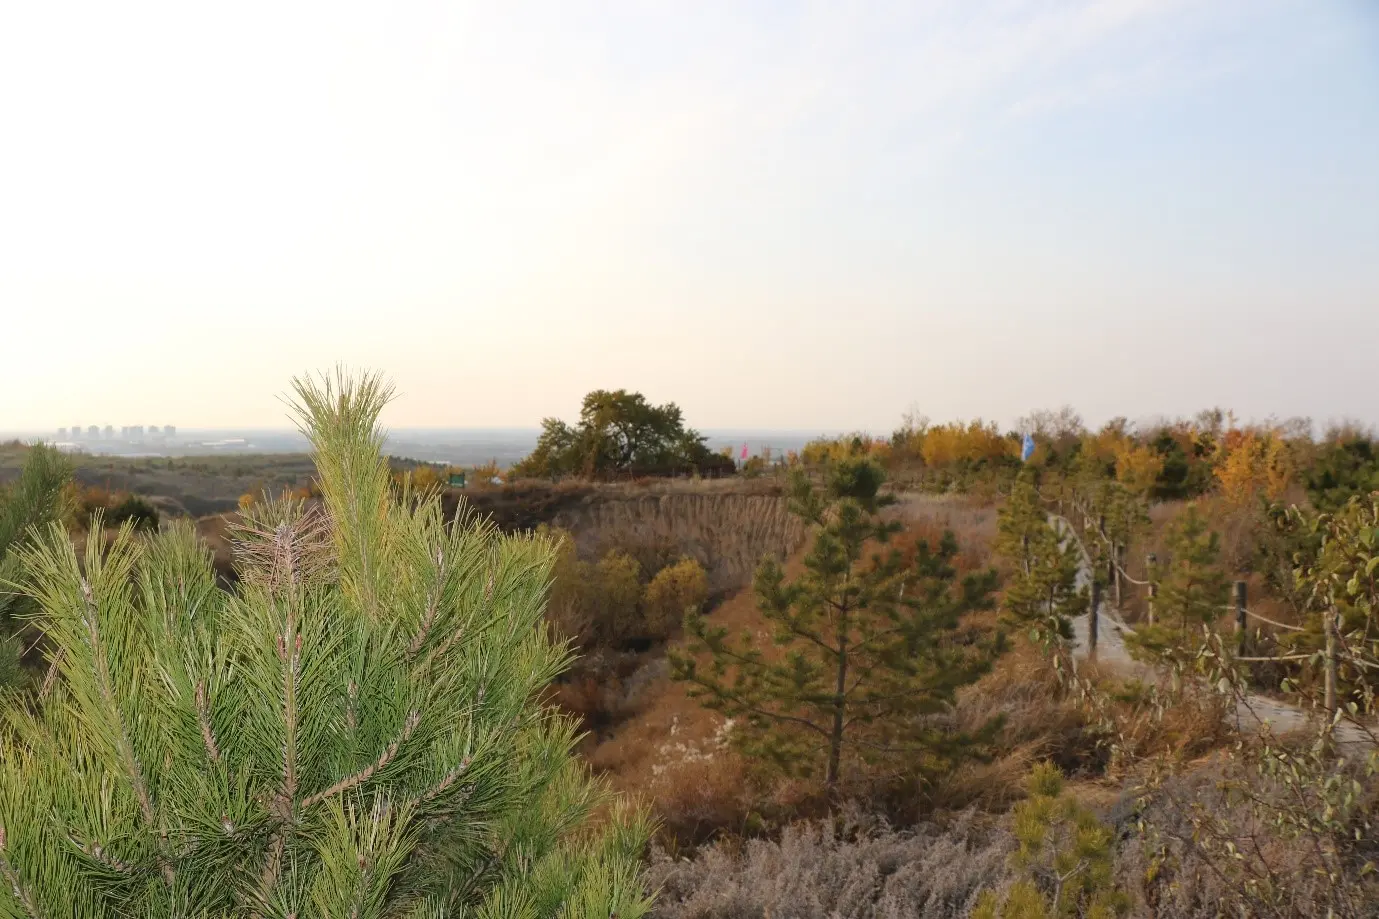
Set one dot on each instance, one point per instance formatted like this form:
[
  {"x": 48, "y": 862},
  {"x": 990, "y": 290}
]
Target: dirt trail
[{"x": 1253, "y": 713}]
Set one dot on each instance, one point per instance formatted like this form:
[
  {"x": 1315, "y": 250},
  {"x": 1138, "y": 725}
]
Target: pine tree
[
  {"x": 864, "y": 648},
  {"x": 1065, "y": 855},
  {"x": 357, "y": 732},
  {"x": 1043, "y": 595},
  {"x": 34, "y": 501},
  {"x": 1194, "y": 590}
]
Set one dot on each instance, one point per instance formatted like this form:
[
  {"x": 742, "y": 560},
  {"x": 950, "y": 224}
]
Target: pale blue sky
[{"x": 779, "y": 215}]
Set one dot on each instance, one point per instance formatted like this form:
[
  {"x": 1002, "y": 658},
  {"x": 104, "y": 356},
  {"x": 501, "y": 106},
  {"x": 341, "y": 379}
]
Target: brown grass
[
  {"x": 972, "y": 520},
  {"x": 847, "y": 867}
]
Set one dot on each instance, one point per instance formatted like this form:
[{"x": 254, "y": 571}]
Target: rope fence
[
  {"x": 1266, "y": 619},
  {"x": 1335, "y": 652},
  {"x": 1125, "y": 574},
  {"x": 1105, "y": 607}
]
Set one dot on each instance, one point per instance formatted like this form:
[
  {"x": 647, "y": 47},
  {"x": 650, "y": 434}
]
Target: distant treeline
[{"x": 1168, "y": 460}]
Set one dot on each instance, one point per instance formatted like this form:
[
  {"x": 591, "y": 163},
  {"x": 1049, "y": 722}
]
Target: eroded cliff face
[
  {"x": 726, "y": 527},
  {"x": 726, "y": 533}
]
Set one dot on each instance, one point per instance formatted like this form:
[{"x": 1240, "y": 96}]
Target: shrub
[
  {"x": 674, "y": 592},
  {"x": 594, "y": 604},
  {"x": 848, "y": 868},
  {"x": 356, "y": 732},
  {"x": 135, "y": 511}
]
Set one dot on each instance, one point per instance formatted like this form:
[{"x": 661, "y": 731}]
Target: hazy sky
[{"x": 783, "y": 215}]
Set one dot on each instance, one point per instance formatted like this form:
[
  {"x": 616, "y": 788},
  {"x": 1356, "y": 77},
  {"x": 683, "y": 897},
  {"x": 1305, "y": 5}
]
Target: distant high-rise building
[
  {"x": 124, "y": 432},
  {"x": 109, "y": 432},
  {"x": 61, "y": 433},
  {"x": 136, "y": 430},
  {"x": 93, "y": 432},
  {"x": 169, "y": 430},
  {"x": 76, "y": 432}
]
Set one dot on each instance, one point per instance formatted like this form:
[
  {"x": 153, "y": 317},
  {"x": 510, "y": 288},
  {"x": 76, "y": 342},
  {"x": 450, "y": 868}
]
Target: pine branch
[
  {"x": 433, "y": 597},
  {"x": 741, "y": 704},
  {"x": 359, "y": 778},
  {"x": 204, "y": 720},
  {"x": 21, "y": 892},
  {"x": 125, "y": 748}
]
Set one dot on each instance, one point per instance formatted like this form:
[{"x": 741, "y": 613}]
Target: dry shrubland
[{"x": 850, "y": 866}]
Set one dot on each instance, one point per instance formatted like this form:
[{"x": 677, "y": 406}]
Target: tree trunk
[{"x": 835, "y": 740}]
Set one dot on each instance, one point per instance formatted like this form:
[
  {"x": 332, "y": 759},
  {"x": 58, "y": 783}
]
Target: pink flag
[{"x": 744, "y": 451}]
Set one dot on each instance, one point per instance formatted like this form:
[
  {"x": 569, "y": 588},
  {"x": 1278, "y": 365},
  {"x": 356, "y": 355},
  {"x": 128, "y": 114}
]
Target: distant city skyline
[{"x": 107, "y": 432}]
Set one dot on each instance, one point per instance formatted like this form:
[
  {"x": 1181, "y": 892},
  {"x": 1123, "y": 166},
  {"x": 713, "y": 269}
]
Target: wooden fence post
[
  {"x": 1149, "y": 561},
  {"x": 1330, "y": 624},
  {"x": 1092, "y": 620},
  {"x": 1119, "y": 559},
  {"x": 1242, "y": 629}
]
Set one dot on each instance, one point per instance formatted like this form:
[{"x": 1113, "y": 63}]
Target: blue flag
[{"x": 1027, "y": 450}]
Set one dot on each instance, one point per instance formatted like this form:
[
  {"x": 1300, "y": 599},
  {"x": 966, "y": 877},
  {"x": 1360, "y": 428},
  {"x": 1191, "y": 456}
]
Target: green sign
[{"x": 457, "y": 480}]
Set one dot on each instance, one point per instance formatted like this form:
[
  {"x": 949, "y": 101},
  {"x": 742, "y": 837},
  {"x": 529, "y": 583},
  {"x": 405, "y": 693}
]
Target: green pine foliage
[
  {"x": 37, "y": 499},
  {"x": 1193, "y": 592},
  {"x": 1043, "y": 595},
  {"x": 864, "y": 645},
  {"x": 1065, "y": 857},
  {"x": 1342, "y": 469},
  {"x": 357, "y": 732}
]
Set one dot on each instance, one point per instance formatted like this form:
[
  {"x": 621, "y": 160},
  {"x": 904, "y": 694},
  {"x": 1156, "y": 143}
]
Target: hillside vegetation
[{"x": 856, "y": 680}]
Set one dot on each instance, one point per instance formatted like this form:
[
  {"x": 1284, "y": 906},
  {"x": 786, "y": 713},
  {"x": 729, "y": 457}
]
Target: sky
[{"x": 777, "y": 215}]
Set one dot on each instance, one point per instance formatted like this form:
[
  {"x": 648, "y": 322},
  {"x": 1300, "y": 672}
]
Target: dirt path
[{"x": 1253, "y": 713}]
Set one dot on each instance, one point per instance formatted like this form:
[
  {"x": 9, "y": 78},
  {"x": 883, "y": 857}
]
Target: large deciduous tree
[{"x": 618, "y": 433}]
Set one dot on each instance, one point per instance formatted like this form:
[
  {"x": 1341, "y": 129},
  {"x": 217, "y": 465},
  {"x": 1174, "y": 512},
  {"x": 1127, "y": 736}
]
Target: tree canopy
[{"x": 620, "y": 433}]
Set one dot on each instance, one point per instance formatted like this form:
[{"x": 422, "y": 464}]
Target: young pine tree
[
  {"x": 863, "y": 646},
  {"x": 1065, "y": 856},
  {"x": 357, "y": 732},
  {"x": 1194, "y": 590},
  {"x": 1043, "y": 595}
]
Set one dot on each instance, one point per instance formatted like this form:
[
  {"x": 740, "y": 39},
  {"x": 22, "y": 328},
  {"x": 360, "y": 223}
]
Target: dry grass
[
  {"x": 849, "y": 867},
  {"x": 972, "y": 521},
  {"x": 727, "y": 525},
  {"x": 1040, "y": 721},
  {"x": 671, "y": 751},
  {"x": 728, "y": 534},
  {"x": 1172, "y": 873}
]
